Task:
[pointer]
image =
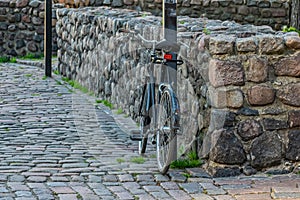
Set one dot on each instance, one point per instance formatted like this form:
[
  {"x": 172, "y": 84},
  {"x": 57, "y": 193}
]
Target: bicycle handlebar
[{"x": 154, "y": 44}]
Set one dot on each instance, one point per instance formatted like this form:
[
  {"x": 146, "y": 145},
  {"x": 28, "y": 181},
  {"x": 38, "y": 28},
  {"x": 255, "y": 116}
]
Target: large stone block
[
  {"x": 220, "y": 98},
  {"x": 246, "y": 44},
  {"x": 266, "y": 150},
  {"x": 259, "y": 95},
  {"x": 274, "y": 124},
  {"x": 292, "y": 42},
  {"x": 226, "y": 148},
  {"x": 249, "y": 129},
  {"x": 22, "y": 3},
  {"x": 258, "y": 69},
  {"x": 222, "y": 73},
  {"x": 290, "y": 94},
  {"x": 294, "y": 118},
  {"x": 4, "y": 3},
  {"x": 270, "y": 44},
  {"x": 293, "y": 145},
  {"x": 222, "y": 44},
  {"x": 288, "y": 66},
  {"x": 221, "y": 118}
]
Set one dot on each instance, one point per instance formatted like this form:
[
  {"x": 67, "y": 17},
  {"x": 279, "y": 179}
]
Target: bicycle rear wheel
[{"x": 166, "y": 145}]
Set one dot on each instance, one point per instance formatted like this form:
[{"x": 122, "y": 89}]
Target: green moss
[
  {"x": 56, "y": 72},
  {"x": 290, "y": 29},
  {"x": 28, "y": 75},
  {"x": 206, "y": 31},
  {"x": 31, "y": 56},
  {"x": 120, "y": 160},
  {"x": 6, "y": 59},
  {"x": 119, "y": 111},
  {"x": 138, "y": 160}
]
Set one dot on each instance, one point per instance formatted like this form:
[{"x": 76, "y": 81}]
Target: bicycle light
[{"x": 168, "y": 56}]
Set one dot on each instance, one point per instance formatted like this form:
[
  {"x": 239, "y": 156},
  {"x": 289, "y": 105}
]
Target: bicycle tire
[
  {"x": 166, "y": 145},
  {"x": 143, "y": 142}
]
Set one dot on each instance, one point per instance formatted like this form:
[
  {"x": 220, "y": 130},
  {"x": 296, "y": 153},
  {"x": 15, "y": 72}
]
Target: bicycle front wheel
[
  {"x": 166, "y": 145},
  {"x": 143, "y": 142}
]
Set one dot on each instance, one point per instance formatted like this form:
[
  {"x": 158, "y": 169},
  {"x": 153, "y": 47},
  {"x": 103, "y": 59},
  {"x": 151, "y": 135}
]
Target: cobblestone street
[{"x": 58, "y": 143}]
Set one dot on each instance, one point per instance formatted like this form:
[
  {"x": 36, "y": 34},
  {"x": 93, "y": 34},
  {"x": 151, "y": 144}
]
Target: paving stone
[
  {"x": 16, "y": 178},
  {"x": 125, "y": 178},
  {"x": 191, "y": 188},
  {"x": 160, "y": 195},
  {"x": 62, "y": 190},
  {"x": 169, "y": 186},
  {"x": 38, "y": 179}
]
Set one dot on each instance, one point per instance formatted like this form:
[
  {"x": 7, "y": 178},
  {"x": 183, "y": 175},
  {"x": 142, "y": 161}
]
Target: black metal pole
[
  {"x": 48, "y": 37},
  {"x": 170, "y": 20}
]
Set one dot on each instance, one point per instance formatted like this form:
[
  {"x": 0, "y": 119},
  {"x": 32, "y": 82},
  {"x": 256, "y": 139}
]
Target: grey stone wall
[
  {"x": 274, "y": 13},
  {"x": 239, "y": 88},
  {"x": 22, "y": 27}
]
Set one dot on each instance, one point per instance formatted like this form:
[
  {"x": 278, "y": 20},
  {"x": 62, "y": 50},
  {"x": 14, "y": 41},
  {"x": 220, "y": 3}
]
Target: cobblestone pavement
[{"x": 56, "y": 143}]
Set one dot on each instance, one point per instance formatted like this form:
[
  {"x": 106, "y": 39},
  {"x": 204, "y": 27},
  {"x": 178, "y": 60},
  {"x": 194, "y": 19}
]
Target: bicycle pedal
[{"x": 135, "y": 136}]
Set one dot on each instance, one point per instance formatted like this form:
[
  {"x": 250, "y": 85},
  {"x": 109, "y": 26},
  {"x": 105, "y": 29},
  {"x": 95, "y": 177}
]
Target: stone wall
[
  {"x": 238, "y": 89},
  {"x": 274, "y": 13},
  {"x": 22, "y": 27}
]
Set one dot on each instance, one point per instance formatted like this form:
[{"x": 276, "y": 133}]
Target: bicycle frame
[{"x": 170, "y": 35}]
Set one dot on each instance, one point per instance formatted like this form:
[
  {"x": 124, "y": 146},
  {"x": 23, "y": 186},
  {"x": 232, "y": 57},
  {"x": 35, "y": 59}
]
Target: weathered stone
[
  {"x": 288, "y": 66},
  {"x": 274, "y": 124},
  {"x": 249, "y": 129},
  {"x": 117, "y": 3},
  {"x": 37, "y": 21},
  {"x": 261, "y": 95},
  {"x": 246, "y": 45},
  {"x": 278, "y": 12},
  {"x": 222, "y": 73},
  {"x": 217, "y": 171},
  {"x": 22, "y": 3},
  {"x": 270, "y": 44},
  {"x": 294, "y": 118},
  {"x": 248, "y": 112},
  {"x": 3, "y": 26},
  {"x": 20, "y": 44},
  {"x": 243, "y": 10},
  {"x": 290, "y": 94},
  {"x": 292, "y": 42},
  {"x": 32, "y": 47},
  {"x": 235, "y": 98},
  {"x": 266, "y": 150},
  {"x": 34, "y": 3},
  {"x": 264, "y": 4},
  {"x": 258, "y": 69},
  {"x": 221, "y": 118},
  {"x": 226, "y": 148},
  {"x": 4, "y": 3},
  {"x": 293, "y": 145},
  {"x": 221, "y": 44}
]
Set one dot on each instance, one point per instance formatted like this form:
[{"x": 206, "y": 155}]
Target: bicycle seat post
[{"x": 170, "y": 36}]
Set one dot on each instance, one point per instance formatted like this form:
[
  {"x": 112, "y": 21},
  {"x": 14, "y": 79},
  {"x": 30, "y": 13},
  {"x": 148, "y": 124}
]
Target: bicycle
[{"x": 160, "y": 112}]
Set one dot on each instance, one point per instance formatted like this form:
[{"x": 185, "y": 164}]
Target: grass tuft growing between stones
[
  {"x": 106, "y": 103},
  {"x": 138, "y": 160},
  {"x": 190, "y": 161},
  {"x": 6, "y": 59},
  {"x": 120, "y": 160},
  {"x": 75, "y": 85},
  {"x": 119, "y": 111}
]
